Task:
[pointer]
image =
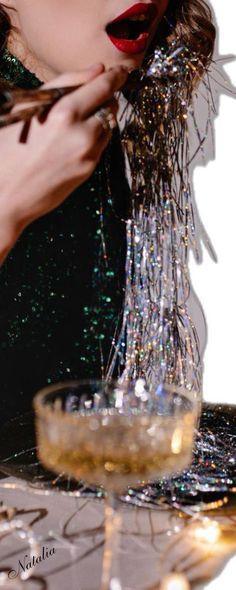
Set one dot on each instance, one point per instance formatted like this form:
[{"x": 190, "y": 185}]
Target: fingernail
[{"x": 94, "y": 67}]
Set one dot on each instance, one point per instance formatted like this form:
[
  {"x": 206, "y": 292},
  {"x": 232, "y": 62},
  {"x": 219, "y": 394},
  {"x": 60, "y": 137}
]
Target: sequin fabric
[
  {"x": 13, "y": 71},
  {"x": 61, "y": 287}
]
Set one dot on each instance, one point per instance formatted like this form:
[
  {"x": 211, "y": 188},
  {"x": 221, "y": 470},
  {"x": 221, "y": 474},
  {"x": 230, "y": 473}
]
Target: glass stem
[{"x": 110, "y": 581}]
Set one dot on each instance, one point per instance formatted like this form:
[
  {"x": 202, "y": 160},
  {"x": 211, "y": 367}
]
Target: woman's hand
[{"x": 60, "y": 153}]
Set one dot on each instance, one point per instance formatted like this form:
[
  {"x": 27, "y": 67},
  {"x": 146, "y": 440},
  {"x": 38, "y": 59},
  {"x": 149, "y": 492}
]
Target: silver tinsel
[{"x": 158, "y": 336}]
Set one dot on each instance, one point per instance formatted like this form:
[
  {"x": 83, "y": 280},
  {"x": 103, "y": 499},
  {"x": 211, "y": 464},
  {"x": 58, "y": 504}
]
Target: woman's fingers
[
  {"x": 96, "y": 88},
  {"x": 93, "y": 137},
  {"x": 68, "y": 79},
  {"x": 85, "y": 101},
  {"x": 98, "y": 135},
  {"x": 105, "y": 117},
  {"x": 75, "y": 78}
]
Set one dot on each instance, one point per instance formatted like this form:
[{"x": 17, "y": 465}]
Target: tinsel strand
[{"x": 158, "y": 339}]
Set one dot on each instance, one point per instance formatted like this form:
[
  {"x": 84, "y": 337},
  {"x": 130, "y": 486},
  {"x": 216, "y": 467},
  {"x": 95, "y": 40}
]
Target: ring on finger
[{"x": 106, "y": 118}]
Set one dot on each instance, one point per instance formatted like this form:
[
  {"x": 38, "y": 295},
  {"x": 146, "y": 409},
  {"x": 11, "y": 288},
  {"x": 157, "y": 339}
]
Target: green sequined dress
[{"x": 62, "y": 285}]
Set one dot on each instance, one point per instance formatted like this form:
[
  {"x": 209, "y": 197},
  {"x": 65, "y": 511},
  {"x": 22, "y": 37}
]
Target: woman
[{"x": 62, "y": 279}]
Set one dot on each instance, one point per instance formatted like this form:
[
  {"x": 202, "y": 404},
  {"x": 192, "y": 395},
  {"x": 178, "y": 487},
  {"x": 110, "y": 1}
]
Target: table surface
[{"x": 72, "y": 529}]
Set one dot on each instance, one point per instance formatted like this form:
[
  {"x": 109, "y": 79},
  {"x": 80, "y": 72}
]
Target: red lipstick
[
  {"x": 136, "y": 9},
  {"x": 130, "y": 31},
  {"x": 130, "y": 46}
]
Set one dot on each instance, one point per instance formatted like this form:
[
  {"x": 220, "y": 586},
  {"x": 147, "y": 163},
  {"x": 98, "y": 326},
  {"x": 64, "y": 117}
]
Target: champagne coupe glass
[{"x": 115, "y": 434}]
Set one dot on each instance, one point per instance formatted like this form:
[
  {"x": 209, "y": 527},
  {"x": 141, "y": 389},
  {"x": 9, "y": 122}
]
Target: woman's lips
[
  {"x": 131, "y": 46},
  {"x": 137, "y": 9},
  {"x": 138, "y": 44}
]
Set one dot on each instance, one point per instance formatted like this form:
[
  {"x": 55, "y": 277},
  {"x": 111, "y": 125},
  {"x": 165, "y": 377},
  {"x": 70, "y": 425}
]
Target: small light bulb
[
  {"x": 208, "y": 531},
  {"x": 175, "y": 582},
  {"x": 115, "y": 584}
]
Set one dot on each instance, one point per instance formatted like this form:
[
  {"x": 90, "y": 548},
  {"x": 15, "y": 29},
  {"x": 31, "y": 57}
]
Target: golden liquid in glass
[{"x": 115, "y": 450}]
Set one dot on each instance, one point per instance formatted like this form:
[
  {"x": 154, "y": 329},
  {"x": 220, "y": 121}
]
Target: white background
[{"x": 215, "y": 191}]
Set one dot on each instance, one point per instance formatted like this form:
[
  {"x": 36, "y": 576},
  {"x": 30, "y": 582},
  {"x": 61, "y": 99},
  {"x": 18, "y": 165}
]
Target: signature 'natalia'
[{"x": 27, "y": 564}]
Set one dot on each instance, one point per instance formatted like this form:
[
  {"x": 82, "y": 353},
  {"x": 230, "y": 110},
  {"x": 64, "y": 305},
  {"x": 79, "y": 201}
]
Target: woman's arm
[{"x": 60, "y": 153}]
